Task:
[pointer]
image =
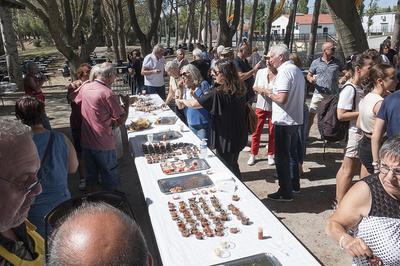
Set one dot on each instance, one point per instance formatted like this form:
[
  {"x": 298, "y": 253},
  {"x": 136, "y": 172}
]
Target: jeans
[
  {"x": 201, "y": 131},
  {"x": 255, "y": 138},
  {"x": 103, "y": 163},
  {"x": 286, "y": 155},
  {"x": 302, "y": 141},
  {"x": 159, "y": 90},
  {"x": 230, "y": 160}
]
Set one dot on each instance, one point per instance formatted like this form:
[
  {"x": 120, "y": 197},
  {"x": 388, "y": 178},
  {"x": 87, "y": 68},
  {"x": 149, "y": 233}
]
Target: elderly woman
[
  {"x": 58, "y": 159},
  {"x": 175, "y": 88},
  {"x": 373, "y": 205},
  {"x": 227, "y": 107},
  {"x": 195, "y": 87}
]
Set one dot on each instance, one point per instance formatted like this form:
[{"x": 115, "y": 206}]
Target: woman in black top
[
  {"x": 227, "y": 107},
  {"x": 136, "y": 79}
]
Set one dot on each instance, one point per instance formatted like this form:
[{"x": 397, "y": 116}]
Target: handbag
[{"x": 251, "y": 119}]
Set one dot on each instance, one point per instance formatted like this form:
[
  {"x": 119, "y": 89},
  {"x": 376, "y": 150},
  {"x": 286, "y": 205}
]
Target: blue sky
[{"x": 381, "y": 3}]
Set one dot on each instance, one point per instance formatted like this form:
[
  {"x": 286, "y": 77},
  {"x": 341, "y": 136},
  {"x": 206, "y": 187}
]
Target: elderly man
[
  {"x": 324, "y": 75},
  {"x": 180, "y": 58},
  {"x": 153, "y": 71},
  {"x": 217, "y": 55},
  {"x": 201, "y": 64},
  {"x": 19, "y": 185},
  {"x": 122, "y": 243},
  {"x": 287, "y": 97},
  {"x": 101, "y": 112}
]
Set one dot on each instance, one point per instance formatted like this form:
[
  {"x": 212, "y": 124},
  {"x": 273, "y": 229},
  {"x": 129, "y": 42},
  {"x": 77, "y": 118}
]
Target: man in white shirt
[
  {"x": 153, "y": 71},
  {"x": 287, "y": 97},
  {"x": 180, "y": 58}
]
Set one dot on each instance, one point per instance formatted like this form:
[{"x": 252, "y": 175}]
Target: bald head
[{"x": 98, "y": 234}]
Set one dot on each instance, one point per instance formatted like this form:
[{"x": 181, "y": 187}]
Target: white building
[
  {"x": 303, "y": 24},
  {"x": 382, "y": 23}
]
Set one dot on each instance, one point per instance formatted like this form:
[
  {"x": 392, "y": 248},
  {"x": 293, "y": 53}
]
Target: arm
[
  {"x": 379, "y": 130},
  {"x": 245, "y": 75},
  {"x": 170, "y": 96},
  {"x": 354, "y": 206},
  {"x": 72, "y": 158},
  {"x": 346, "y": 115},
  {"x": 147, "y": 72},
  {"x": 35, "y": 83},
  {"x": 192, "y": 103},
  {"x": 280, "y": 98},
  {"x": 310, "y": 78}
]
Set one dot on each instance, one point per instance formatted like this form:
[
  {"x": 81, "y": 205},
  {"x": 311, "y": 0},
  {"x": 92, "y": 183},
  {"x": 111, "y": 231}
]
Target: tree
[
  {"x": 202, "y": 6},
  {"x": 111, "y": 24},
  {"x": 227, "y": 31},
  {"x": 241, "y": 23},
  {"x": 348, "y": 26},
  {"x": 68, "y": 33},
  {"x": 10, "y": 46},
  {"x": 313, "y": 33},
  {"x": 121, "y": 31},
  {"x": 252, "y": 23},
  {"x": 324, "y": 7},
  {"x": 396, "y": 30},
  {"x": 372, "y": 10},
  {"x": 268, "y": 25},
  {"x": 302, "y": 6},
  {"x": 290, "y": 25},
  {"x": 145, "y": 39}
]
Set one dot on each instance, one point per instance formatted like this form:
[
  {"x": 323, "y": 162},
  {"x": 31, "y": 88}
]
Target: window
[
  {"x": 319, "y": 27},
  {"x": 383, "y": 18}
]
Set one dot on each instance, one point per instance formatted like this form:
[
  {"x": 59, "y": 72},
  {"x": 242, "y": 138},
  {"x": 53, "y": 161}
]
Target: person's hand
[
  {"x": 130, "y": 70},
  {"x": 356, "y": 247},
  {"x": 257, "y": 67},
  {"x": 181, "y": 83},
  {"x": 155, "y": 71},
  {"x": 268, "y": 92}
]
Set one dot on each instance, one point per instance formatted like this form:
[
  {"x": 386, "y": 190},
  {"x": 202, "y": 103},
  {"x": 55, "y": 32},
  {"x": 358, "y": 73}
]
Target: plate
[
  {"x": 262, "y": 259},
  {"x": 186, "y": 182},
  {"x": 184, "y": 166}
]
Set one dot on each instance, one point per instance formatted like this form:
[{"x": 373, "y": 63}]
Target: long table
[{"x": 176, "y": 250}]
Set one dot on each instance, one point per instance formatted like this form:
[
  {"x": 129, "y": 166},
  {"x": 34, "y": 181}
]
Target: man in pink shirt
[{"x": 101, "y": 111}]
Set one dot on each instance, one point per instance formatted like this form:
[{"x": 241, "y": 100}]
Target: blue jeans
[
  {"x": 103, "y": 163},
  {"x": 286, "y": 138},
  {"x": 159, "y": 90},
  {"x": 201, "y": 131},
  {"x": 302, "y": 141}
]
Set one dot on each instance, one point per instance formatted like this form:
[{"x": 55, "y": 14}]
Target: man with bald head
[
  {"x": 98, "y": 234},
  {"x": 19, "y": 185},
  {"x": 324, "y": 76}
]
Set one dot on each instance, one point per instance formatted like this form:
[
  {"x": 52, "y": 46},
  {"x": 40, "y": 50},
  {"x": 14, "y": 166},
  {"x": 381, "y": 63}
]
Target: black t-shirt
[
  {"x": 228, "y": 120},
  {"x": 136, "y": 65},
  {"x": 242, "y": 65},
  {"x": 203, "y": 66},
  {"x": 390, "y": 55}
]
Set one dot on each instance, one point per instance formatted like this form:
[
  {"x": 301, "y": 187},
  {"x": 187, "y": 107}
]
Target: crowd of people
[{"x": 213, "y": 94}]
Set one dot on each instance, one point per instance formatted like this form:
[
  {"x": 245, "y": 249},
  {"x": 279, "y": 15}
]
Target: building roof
[
  {"x": 11, "y": 4},
  {"x": 307, "y": 19}
]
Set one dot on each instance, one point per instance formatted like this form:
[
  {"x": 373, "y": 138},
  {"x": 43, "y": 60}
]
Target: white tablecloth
[{"x": 176, "y": 250}]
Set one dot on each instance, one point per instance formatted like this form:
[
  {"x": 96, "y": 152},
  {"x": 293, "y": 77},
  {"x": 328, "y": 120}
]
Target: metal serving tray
[
  {"x": 262, "y": 259},
  {"x": 166, "y": 120},
  {"x": 169, "y": 135},
  {"x": 201, "y": 165},
  {"x": 186, "y": 182}
]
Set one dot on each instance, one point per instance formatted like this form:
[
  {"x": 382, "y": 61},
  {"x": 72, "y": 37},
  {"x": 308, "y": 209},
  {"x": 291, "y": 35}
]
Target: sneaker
[
  {"x": 252, "y": 160},
  {"x": 271, "y": 160},
  {"x": 247, "y": 149},
  {"x": 82, "y": 185},
  {"x": 277, "y": 196},
  {"x": 296, "y": 190}
]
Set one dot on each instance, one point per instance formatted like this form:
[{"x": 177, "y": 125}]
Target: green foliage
[
  {"x": 28, "y": 26},
  {"x": 260, "y": 18},
  {"x": 302, "y": 6},
  {"x": 324, "y": 7},
  {"x": 372, "y": 10}
]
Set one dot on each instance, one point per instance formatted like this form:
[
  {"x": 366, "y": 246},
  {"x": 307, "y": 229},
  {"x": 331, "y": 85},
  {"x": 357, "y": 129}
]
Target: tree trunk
[
  {"x": 348, "y": 26},
  {"x": 226, "y": 31},
  {"x": 241, "y": 23},
  {"x": 206, "y": 23},
  {"x": 313, "y": 33},
  {"x": 199, "y": 38},
  {"x": 176, "y": 24},
  {"x": 290, "y": 25},
  {"x": 185, "y": 33},
  {"x": 169, "y": 26},
  {"x": 10, "y": 47},
  {"x": 191, "y": 24},
  {"x": 268, "y": 26},
  {"x": 210, "y": 44},
  {"x": 396, "y": 30},
  {"x": 1, "y": 45},
  {"x": 121, "y": 32},
  {"x": 252, "y": 23}
]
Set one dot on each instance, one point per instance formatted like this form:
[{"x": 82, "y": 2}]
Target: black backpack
[{"x": 329, "y": 126}]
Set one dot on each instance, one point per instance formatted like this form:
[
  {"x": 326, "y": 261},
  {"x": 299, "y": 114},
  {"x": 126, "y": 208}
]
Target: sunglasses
[
  {"x": 54, "y": 218},
  {"x": 184, "y": 74},
  {"x": 27, "y": 188},
  {"x": 216, "y": 73}
]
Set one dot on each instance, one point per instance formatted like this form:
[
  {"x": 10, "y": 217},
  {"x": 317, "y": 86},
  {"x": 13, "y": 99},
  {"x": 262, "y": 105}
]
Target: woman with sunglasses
[
  {"x": 195, "y": 86},
  {"x": 58, "y": 159},
  {"x": 75, "y": 119},
  {"x": 227, "y": 107},
  {"x": 372, "y": 205}
]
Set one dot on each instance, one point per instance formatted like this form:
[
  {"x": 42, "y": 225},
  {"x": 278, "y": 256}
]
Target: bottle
[
  {"x": 203, "y": 149},
  {"x": 260, "y": 233}
]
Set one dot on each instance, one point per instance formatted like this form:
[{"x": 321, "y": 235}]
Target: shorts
[
  {"x": 352, "y": 144},
  {"x": 76, "y": 137},
  {"x": 365, "y": 152},
  {"x": 316, "y": 99}
]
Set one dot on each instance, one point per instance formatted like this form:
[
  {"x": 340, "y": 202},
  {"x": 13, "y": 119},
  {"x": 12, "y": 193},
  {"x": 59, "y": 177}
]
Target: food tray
[
  {"x": 187, "y": 182},
  {"x": 166, "y": 120},
  {"x": 184, "y": 166},
  {"x": 262, "y": 259},
  {"x": 166, "y": 135}
]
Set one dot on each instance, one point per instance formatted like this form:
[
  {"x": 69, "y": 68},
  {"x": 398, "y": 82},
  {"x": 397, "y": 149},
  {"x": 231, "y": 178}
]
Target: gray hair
[
  {"x": 281, "y": 49},
  {"x": 11, "y": 131},
  {"x": 182, "y": 51},
  {"x": 172, "y": 65},
  {"x": 391, "y": 148},
  {"x": 158, "y": 48},
  {"x": 102, "y": 71},
  {"x": 132, "y": 249},
  {"x": 220, "y": 49},
  {"x": 194, "y": 73},
  {"x": 198, "y": 53}
]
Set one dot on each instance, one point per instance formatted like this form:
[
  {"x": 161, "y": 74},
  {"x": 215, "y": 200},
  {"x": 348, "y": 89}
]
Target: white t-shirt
[
  {"x": 156, "y": 79},
  {"x": 290, "y": 79},
  {"x": 263, "y": 102},
  {"x": 346, "y": 100}
]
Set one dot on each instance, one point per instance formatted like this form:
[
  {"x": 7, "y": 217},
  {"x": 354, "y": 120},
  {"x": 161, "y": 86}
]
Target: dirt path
[{"x": 305, "y": 216}]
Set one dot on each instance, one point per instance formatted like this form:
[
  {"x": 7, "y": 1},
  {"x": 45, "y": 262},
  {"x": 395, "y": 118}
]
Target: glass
[
  {"x": 150, "y": 138},
  {"x": 28, "y": 187},
  {"x": 385, "y": 169},
  {"x": 184, "y": 74}
]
